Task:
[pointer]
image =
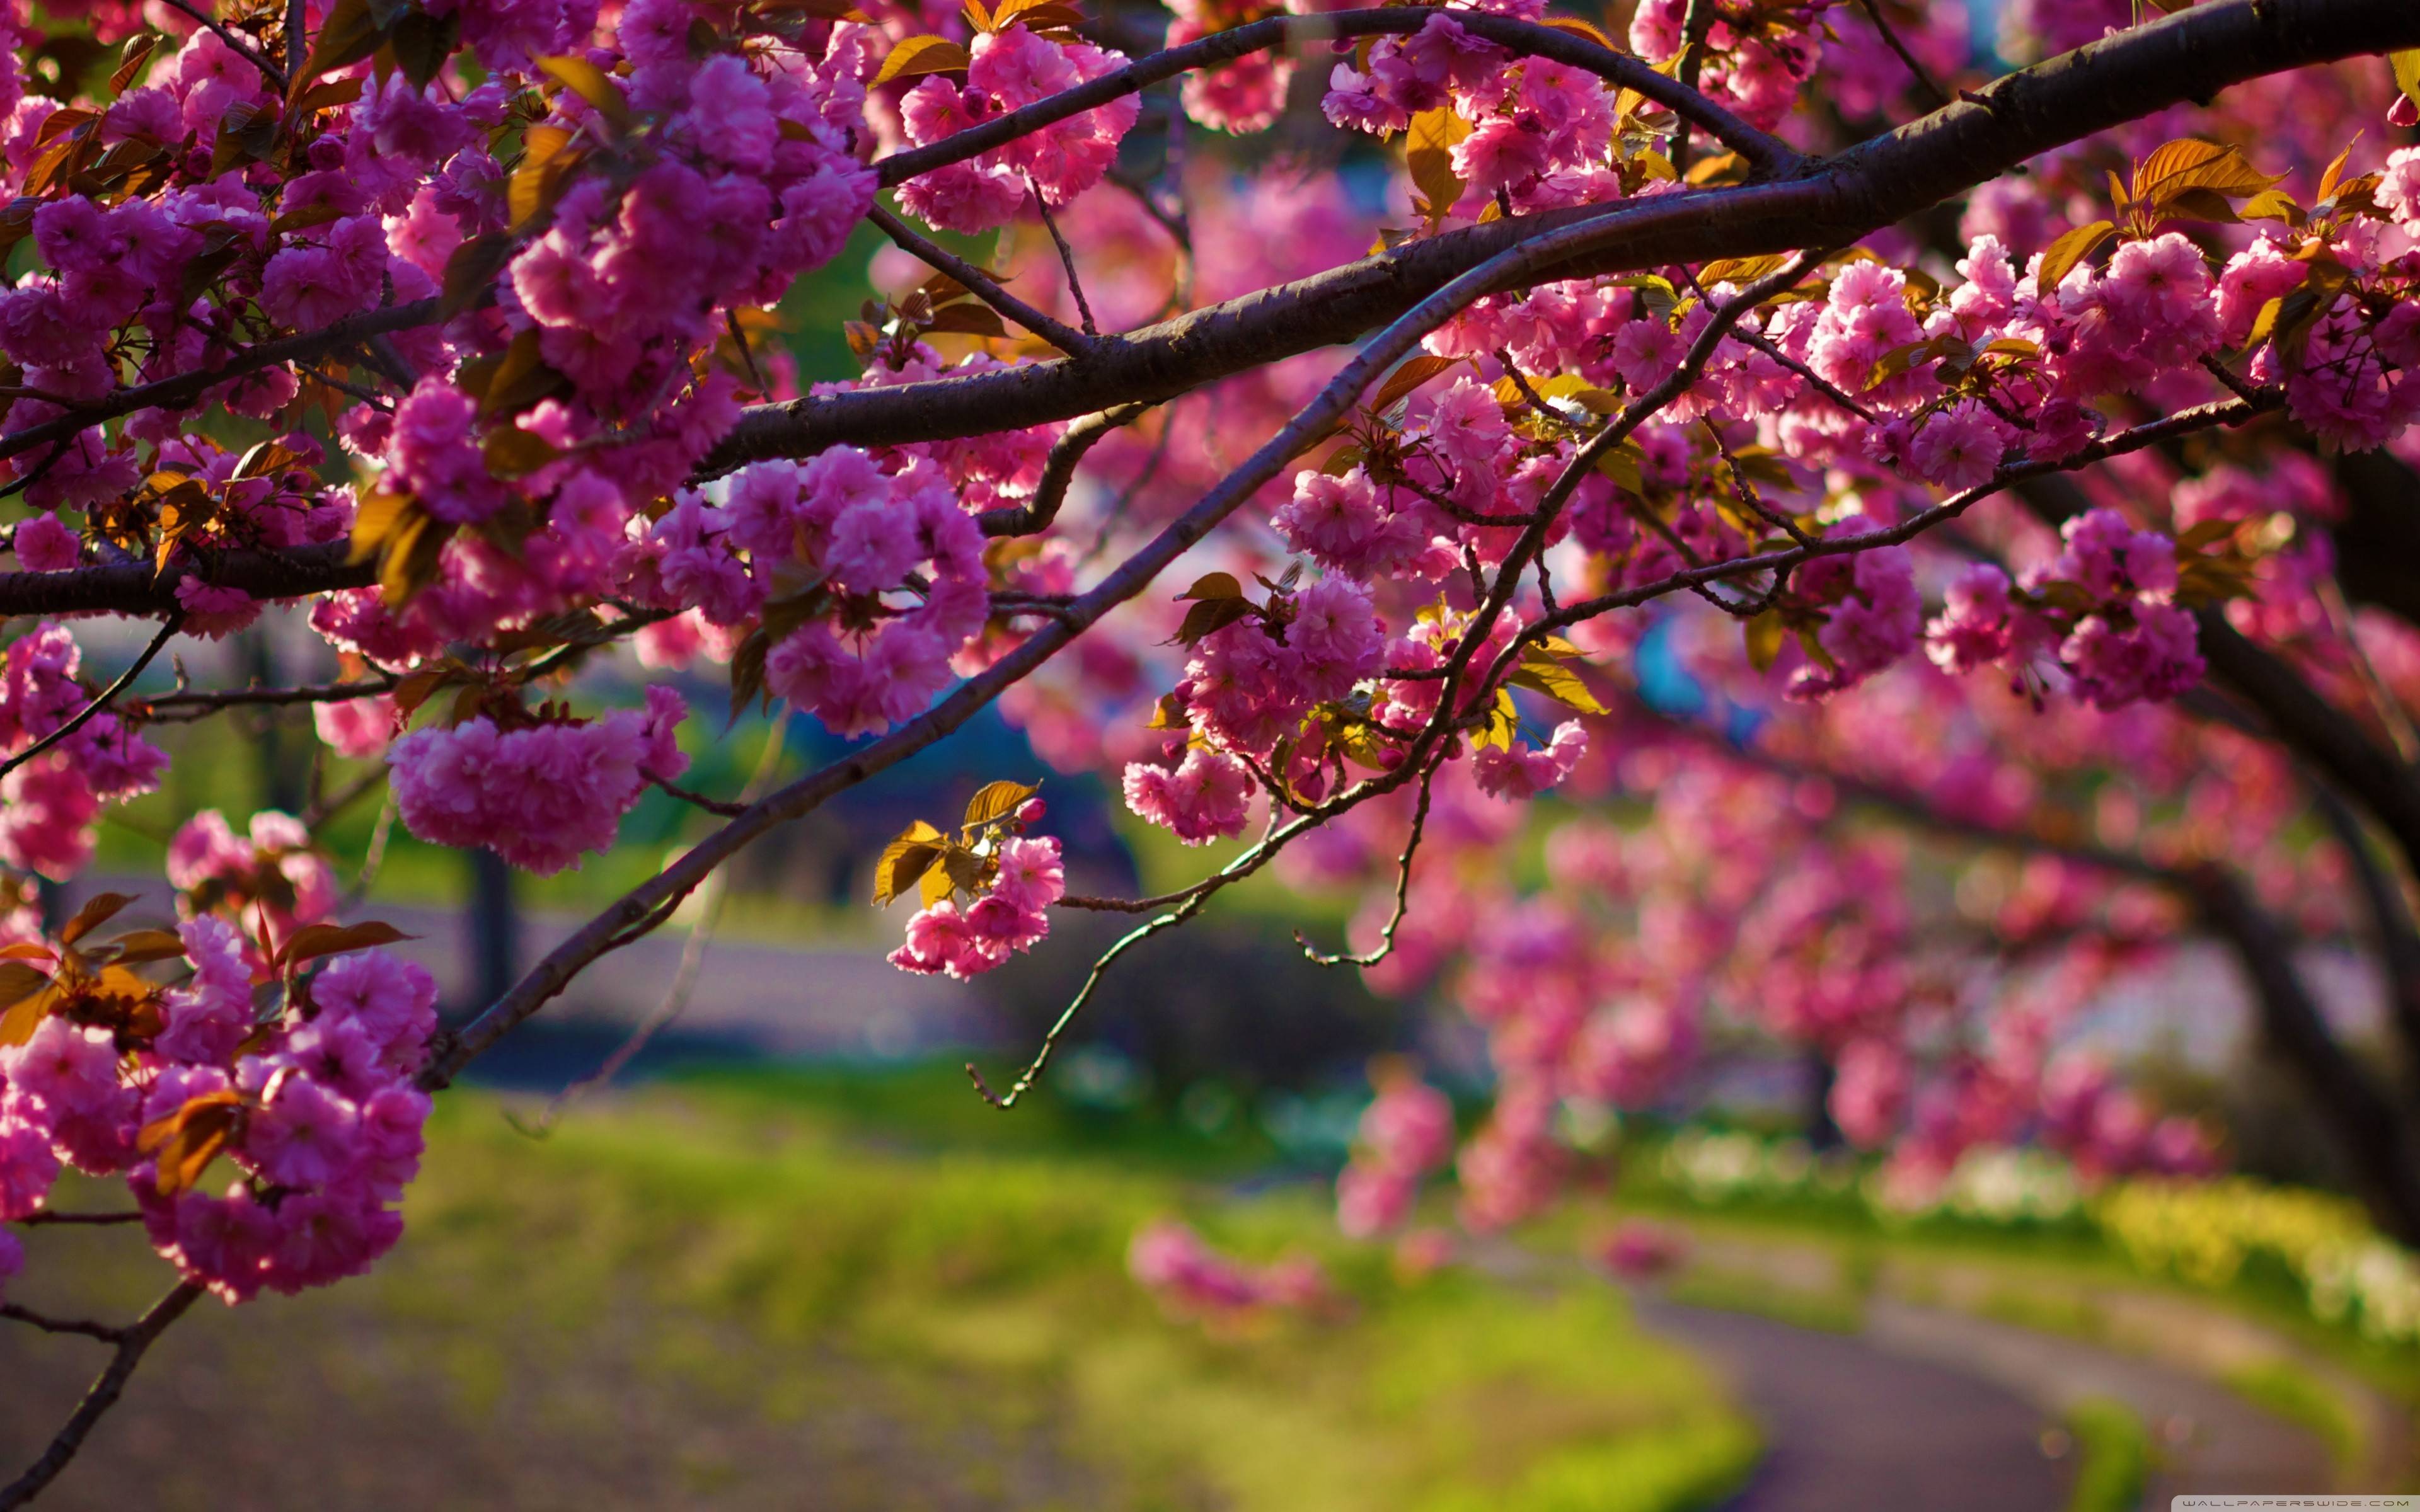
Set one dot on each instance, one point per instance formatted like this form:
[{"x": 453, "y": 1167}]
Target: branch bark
[
  {"x": 106, "y": 1388},
  {"x": 2371, "y": 1131},
  {"x": 2192, "y": 55}
]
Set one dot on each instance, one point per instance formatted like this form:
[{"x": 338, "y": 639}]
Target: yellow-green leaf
[
  {"x": 904, "y": 861},
  {"x": 590, "y": 84},
  {"x": 1428, "y": 152},
  {"x": 996, "y": 800},
  {"x": 919, "y": 56},
  {"x": 2069, "y": 249}
]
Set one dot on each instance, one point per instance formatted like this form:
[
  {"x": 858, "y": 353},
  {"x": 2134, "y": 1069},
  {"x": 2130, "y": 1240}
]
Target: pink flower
[
  {"x": 305, "y": 1136},
  {"x": 1960, "y": 448},
  {"x": 1521, "y": 772},
  {"x": 44, "y": 544},
  {"x": 1208, "y": 797}
]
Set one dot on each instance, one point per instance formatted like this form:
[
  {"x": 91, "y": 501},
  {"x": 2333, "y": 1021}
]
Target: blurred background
[{"x": 741, "y": 1234}]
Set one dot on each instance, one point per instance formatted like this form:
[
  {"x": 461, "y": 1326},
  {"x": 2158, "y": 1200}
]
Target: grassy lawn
[{"x": 714, "y": 1295}]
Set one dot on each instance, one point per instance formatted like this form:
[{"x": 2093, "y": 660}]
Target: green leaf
[{"x": 348, "y": 35}]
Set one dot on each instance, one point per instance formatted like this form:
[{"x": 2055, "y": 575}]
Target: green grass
[
  {"x": 2113, "y": 1456},
  {"x": 1738, "y": 1292},
  {"x": 2294, "y": 1395},
  {"x": 1001, "y": 1273}
]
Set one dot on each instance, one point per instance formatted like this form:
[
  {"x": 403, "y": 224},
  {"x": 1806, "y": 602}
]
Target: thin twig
[
  {"x": 1058, "y": 471},
  {"x": 184, "y": 706},
  {"x": 106, "y": 1333},
  {"x": 373, "y": 859},
  {"x": 1066, "y": 257},
  {"x": 693, "y": 960},
  {"x": 84, "y": 715},
  {"x": 978, "y": 283},
  {"x": 1128, "y": 941},
  {"x": 712, "y": 805},
  {"x": 1936, "y": 97},
  {"x": 47, "y": 1216},
  {"x": 235, "y": 44},
  {"x": 1386, "y": 945},
  {"x": 106, "y": 1388}
]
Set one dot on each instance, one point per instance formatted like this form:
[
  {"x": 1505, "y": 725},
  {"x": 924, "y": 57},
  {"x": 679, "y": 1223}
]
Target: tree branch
[
  {"x": 1058, "y": 471},
  {"x": 85, "y": 716},
  {"x": 1300, "y": 33},
  {"x": 134, "y": 587},
  {"x": 187, "y": 388},
  {"x": 2191, "y": 55},
  {"x": 106, "y": 1388},
  {"x": 980, "y": 283}
]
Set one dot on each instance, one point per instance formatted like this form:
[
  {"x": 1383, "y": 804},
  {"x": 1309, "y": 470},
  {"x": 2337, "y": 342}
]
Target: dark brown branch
[
  {"x": 1058, "y": 471},
  {"x": 1935, "y": 94},
  {"x": 1303, "y": 32},
  {"x": 131, "y": 1343},
  {"x": 134, "y": 587},
  {"x": 186, "y": 388},
  {"x": 2191, "y": 55},
  {"x": 101, "y": 701},
  {"x": 106, "y": 1333},
  {"x": 235, "y": 44},
  {"x": 172, "y": 708},
  {"x": 47, "y": 1216},
  {"x": 2390, "y": 919},
  {"x": 978, "y": 283},
  {"x": 2367, "y": 1126},
  {"x": 1066, "y": 258}
]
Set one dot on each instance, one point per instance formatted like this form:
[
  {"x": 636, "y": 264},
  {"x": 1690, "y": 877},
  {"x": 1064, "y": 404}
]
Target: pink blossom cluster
[
  {"x": 1537, "y": 131},
  {"x": 896, "y": 562},
  {"x": 1756, "y": 55},
  {"x": 322, "y": 1119},
  {"x": 1407, "y": 1132},
  {"x": 1191, "y": 1279},
  {"x": 49, "y": 805},
  {"x": 1012, "y": 916},
  {"x": 539, "y": 793},
  {"x": 1011, "y": 68},
  {"x": 270, "y": 877}
]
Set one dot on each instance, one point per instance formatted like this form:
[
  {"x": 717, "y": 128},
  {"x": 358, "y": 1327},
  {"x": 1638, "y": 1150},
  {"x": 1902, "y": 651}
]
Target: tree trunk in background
[
  {"x": 1823, "y": 1132},
  {"x": 495, "y": 929},
  {"x": 2364, "y": 1119}
]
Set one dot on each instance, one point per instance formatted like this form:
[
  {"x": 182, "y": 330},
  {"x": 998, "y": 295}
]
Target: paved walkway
[
  {"x": 1930, "y": 1408},
  {"x": 1852, "y": 1427}
]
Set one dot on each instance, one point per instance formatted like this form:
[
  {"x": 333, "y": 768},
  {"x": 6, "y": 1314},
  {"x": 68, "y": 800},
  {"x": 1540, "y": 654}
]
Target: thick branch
[
  {"x": 2191, "y": 55},
  {"x": 134, "y": 588}
]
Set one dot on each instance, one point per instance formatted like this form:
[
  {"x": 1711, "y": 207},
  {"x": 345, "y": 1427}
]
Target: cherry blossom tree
[{"x": 2007, "y": 456}]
